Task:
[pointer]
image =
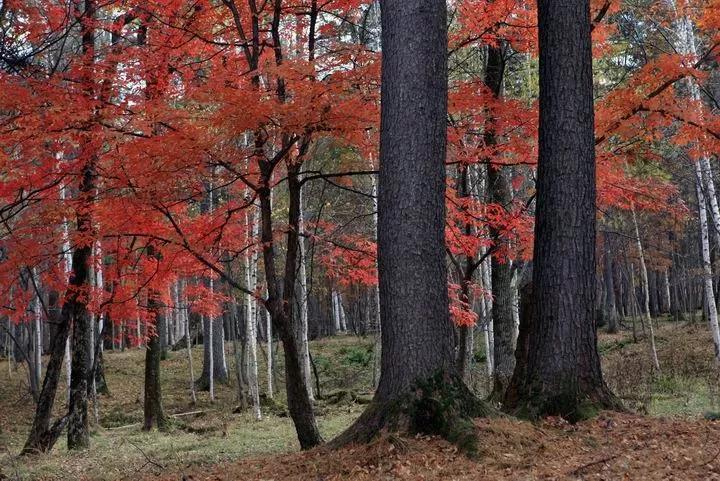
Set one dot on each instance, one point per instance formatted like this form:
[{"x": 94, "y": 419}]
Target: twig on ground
[{"x": 582, "y": 468}]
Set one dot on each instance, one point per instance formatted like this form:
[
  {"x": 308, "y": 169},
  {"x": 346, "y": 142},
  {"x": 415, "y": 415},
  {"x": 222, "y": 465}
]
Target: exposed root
[{"x": 441, "y": 405}]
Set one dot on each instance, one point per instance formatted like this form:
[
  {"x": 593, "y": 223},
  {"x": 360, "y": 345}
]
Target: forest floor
[{"x": 670, "y": 433}]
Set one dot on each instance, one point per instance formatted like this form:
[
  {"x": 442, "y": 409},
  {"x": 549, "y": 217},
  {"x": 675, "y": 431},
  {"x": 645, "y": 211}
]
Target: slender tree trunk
[
  {"x": 687, "y": 45},
  {"x": 269, "y": 344},
  {"x": 188, "y": 340},
  {"x": 303, "y": 294},
  {"x": 37, "y": 335},
  {"x": 563, "y": 375},
  {"x": 610, "y": 304},
  {"x": 500, "y": 194},
  {"x": 710, "y": 305},
  {"x": 281, "y": 299},
  {"x": 251, "y": 315},
  {"x": 377, "y": 351},
  {"x": 646, "y": 293}
]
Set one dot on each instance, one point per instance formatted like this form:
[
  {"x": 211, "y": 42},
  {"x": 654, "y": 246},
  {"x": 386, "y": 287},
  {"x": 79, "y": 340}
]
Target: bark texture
[
  {"x": 500, "y": 194},
  {"x": 563, "y": 375},
  {"x": 419, "y": 389}
]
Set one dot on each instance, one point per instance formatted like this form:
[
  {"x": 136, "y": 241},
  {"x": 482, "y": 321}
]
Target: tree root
[{"x": 441, "y": 406}]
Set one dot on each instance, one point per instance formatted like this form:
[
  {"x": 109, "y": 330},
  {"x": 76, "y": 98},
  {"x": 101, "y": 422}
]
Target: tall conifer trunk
[
  {"x": 419, "y": 388},
  {"x": 563, "y": 375}
]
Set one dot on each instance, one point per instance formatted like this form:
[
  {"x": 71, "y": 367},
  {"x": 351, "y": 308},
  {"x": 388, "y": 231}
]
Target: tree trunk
[
  {"x": 707, "y": 266},
  {"x": 188, "y": 341},
  {"x": 419, "y": 387},
  {"x": 281, "y": 301},
  {"x": 303, "y": 295},
  {"x": 611, "y": 313},
  {"x": 500, "y": 194},
  {"x": 153, "y": 409},
  {"x": 213, "y": 349},
  {"x": 563, "y": 375},
  {"x": 646, "y": 293}
]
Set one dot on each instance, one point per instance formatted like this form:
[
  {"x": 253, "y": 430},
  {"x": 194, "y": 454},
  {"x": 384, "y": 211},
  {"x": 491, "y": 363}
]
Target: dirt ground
[{"x": 611, "y": 447}]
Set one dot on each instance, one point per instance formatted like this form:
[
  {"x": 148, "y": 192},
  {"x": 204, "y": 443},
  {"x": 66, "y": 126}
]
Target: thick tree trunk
[
  {"x": 78, "y": 429},
  {"x": 419, "y": 388},
  {"x": 563, "y": 375}
]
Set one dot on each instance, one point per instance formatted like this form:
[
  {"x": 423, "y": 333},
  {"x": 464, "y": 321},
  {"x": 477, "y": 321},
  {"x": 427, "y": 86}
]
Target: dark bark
[
  {"x": 653, "y": 293},
  {"x": 281, "y": 300},
  {"x": 522, "y": 351},
  {"x": 500, "y": 194},
  {"x": 42, "y": 435},
  {"x": 466, "y": 273},
  {"x": 611, "y": 314},
  {"x": 563, "y": 375},
  {"x": 419, "y": 389},
  {"x": 153, "y": 409},
  {"x": 82, "y": 342}
]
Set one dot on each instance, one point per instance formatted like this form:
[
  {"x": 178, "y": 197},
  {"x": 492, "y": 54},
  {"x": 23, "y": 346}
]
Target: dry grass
[
  {"x": 220, "y": 445},
  {"x": 611, "y": 447}
]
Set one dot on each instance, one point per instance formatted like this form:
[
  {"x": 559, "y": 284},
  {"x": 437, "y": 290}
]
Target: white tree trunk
[
  {"x": 341, "y": 311},
  {"x": 486, "y": 316},
  {"x": 646, "y": 293},
  {"x": 208, "y": 345},
  {"x": 707, "y": 266},
  {"x": 37, "y": 334},
  {"x": 186, "y": 325},
  {"x": 336, "y": 311},
  {"x": 666, "y": 291},
  {"x": 486, "y": 273},
  {"x": 98, "y": 283},
  {"x": 269, "y": 334},
  {"x": 251, "y": 318},
  {"x": 303, "y": 294},
  {"x": 67, "y": 255},
  {"x": 687, "y": 45},
  {"x": 377, "y": 353}
]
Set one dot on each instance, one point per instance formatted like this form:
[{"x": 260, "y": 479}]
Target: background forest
[{"x": 189, "y": 237}]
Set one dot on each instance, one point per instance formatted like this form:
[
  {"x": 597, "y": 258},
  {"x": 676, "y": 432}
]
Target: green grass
[
  {"x": 688, "y": 387},
  {"x": 120, "y": 450}
]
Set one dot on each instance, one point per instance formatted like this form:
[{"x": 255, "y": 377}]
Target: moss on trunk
[{"x": 441, "y": 405}]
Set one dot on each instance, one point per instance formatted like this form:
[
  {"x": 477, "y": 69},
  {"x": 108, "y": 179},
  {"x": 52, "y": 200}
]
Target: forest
[{"x": 359, "y": 240}]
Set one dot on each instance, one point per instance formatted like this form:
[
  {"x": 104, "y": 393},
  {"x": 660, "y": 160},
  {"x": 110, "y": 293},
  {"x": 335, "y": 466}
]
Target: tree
[
  {"x": 419, "y": 388},
  {"x": 563, "y": 375}
]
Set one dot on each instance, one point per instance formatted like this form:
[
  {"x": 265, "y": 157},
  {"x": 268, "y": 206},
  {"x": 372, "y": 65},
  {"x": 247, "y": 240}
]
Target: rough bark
[
  {"x": 500, "y": 194},
  {"x": 153, "y": 413},
  {"x": 419, "y": 388},
  {"x": 563, "y": 375}
]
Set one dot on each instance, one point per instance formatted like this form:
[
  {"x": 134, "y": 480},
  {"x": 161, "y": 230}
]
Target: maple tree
[{"x": 162, "y": 141}]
